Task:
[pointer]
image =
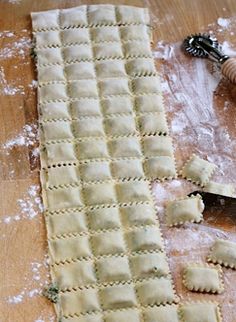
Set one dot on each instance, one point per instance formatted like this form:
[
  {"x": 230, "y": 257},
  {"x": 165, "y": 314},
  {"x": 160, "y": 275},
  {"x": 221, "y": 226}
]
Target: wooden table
[{"x": 202, "y": 118}]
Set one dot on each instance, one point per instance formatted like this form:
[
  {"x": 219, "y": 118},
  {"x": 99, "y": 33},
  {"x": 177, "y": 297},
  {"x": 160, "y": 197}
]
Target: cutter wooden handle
[{"x": 228, "y": 69}]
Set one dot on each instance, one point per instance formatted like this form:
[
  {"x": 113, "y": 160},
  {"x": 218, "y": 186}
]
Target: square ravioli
[
  {"x": 75, "y": 36},
  {"x": 74, "y": 274},
  {"x": 117, "y": 297},
  {"x": 160, "y": 167},
  {"x": 74, "y": 247},
  {"x": 160, "y": 145},
  {"x": 95, "y": 171},
  {"x": 105, "y": 51},
  {"x": 108, "y": 243},
  {"x": 145, "y": 238},
  {"x": 66, "y": 223},
  {"x": 115, "y": 86},
  {"x": 167, "y": 313},
  {"x": 153, "y": 123},
  {"x": 127, "y": 14},
  {"x": 77, "y": 53},
  {"x": 88, "y": 128},
  {"x": 134, "y": 32},
  {"x": 64, "y": 198},
  {"x": 49, "y": 56},
  {"x": 149, "y": 103},
  {"x": 45, "y": 19},
  {"x": 222, "y": 189},
  {"x": 105, "y": 218},
  {"x": 147, "y": 85},
  {"x": 98, "y": 194},
  {"x": 59, "y": 152},
  {"x": 50, "y": 74},
  {"x": 112, "y": 269},
  {"x": 54, "y": 110},
  {"x": 120, "y": 125},
  {"x": 105, "y": 33},
  {"x": 57, "y": 130},
  {"x": 200, "y": 311},
  {"x": 116, "y": 105},
  {"x": 123, "y": 316},
  {"x": 149, "y": 265},
  {"x": 101, "y": 14},
  {"x": 157, "y": 291},
  {"x": 50, "y": 92},
  {"x": 127, "y": 169},
  {"x": 62, "y": 175},
  {"x": 180, "y": 211},
  {"x": 203, "y": 278},
  {"x": 223, "y": 252},
  {"x": 86, "y": 107},
  {"x": 140, "y": 67},
  {"x": 83, "y": 88},
  {"x": 198, "y": 170},
  {"x": 142, "y": 214},
  {"x": 80, "y": 302},
  {"x": 76, "y": 16},
  {"x": 92, "y": 149},
  {"x": 110, "y": 68},
  {"x": 48, "y": 38},
  {"x": 134, "y": 48},
  {"x": 80, "y": 70},
  {"x": 133, "y": 191},
  {"x": 125, "y": 147},
  {"x": 87, "y": 318}
]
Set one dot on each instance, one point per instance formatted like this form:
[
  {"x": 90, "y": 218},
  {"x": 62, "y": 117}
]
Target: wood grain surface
[{"x": 201, "y": 109}]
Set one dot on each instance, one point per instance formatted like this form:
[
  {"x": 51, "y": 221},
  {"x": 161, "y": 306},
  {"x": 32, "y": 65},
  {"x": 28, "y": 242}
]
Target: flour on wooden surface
[
  {"x": 27, "y": 137},
  {"x": 30, "y": 206}
]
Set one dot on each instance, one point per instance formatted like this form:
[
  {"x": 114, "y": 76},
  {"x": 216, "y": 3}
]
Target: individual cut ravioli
[
  {"x": 203, "y": 278},
  {"x": 200, "y": 311},
  {"x": 184, "y": 210},
  {"x": 198, "y": 170},
  {"x": 223, "y": 252},
  {"x": 222, "y": 189}
]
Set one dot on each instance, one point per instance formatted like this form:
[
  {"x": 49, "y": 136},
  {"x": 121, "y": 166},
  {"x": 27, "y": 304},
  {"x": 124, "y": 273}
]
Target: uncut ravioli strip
[
  {"x": 184, "y": 210},
  {"x": 198, "y": 170},
  {"x": 223, "y": 252},
  {"x": 203, "y": 278},
  {"x": 103, "y": 134}
]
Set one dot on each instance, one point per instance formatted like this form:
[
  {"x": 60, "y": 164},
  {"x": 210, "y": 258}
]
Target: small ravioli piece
[
  {"x": 203, "y": 278},
  {"x": 184, "y": 210},
  {"x": 220, "y": 189},
  {"x": 223, "y": 252},
  {"x": 168, "y": 313},
  {"x": 200, "y": 311},
  {"x": 198, "y": 170}
]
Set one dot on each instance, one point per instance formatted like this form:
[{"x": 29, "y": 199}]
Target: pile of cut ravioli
[{"x": 103, "y": 138}]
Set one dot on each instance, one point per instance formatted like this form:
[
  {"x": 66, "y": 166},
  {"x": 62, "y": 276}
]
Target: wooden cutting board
[{"x": 201, "y": 111}]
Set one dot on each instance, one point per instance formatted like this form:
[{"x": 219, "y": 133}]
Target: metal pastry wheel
[{"x": 206, "y": 46}]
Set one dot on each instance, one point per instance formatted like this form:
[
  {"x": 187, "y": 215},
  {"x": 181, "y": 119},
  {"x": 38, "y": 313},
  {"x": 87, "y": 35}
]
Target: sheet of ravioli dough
[{"x": 103, "y": 135}]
